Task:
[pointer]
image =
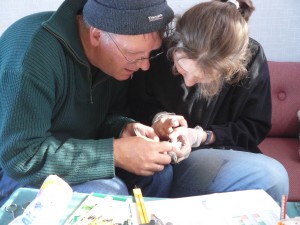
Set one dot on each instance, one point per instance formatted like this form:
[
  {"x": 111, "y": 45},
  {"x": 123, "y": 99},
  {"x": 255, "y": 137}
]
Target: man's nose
[{"x": 144, "y": 64}]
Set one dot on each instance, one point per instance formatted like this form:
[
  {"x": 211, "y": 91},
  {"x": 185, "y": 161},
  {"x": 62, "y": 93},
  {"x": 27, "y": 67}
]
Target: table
[{"x": 24, "y": 195}]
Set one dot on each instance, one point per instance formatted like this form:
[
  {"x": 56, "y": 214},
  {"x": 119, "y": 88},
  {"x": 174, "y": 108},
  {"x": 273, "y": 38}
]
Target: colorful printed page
[{"x": 105, "y": 211}]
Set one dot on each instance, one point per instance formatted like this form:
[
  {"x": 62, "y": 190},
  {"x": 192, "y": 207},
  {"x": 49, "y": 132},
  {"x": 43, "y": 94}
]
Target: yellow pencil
[{"x": 139, "y": 200}]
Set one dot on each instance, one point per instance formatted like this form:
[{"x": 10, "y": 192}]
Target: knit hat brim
[{"x": 128, "y": 17}]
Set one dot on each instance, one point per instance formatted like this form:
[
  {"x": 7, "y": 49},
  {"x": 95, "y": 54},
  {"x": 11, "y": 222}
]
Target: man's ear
[{"x": 95, "y": 36}]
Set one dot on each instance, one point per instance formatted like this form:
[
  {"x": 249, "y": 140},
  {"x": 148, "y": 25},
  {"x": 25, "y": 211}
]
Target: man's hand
[
  {"x": 141, "y": 155},
  {"x": 146, "y": 131}
]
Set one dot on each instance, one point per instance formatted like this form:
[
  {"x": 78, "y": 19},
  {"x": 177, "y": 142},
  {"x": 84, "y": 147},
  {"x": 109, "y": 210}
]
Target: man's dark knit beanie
[{"x": 129, "y": 17}]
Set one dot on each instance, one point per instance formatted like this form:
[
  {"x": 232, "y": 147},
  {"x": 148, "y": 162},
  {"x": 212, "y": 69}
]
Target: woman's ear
[{"x": 95, "y": 36}]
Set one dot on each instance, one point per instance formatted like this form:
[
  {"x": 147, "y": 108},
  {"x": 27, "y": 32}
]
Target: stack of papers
[{"x": 251, "y": 207}]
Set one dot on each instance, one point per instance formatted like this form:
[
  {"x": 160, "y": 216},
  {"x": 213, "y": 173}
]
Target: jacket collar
[{"x": 63, "y": 25}]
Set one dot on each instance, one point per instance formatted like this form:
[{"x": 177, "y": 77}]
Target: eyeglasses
[{"x": 153, "y": 54}]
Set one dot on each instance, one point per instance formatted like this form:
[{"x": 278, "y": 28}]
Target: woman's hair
[
  {"x": 215, "y": 35},
  {"x": 246, "y": 8}
]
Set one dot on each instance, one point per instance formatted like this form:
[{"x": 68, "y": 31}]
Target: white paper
[{"x": 251, "y": 207}]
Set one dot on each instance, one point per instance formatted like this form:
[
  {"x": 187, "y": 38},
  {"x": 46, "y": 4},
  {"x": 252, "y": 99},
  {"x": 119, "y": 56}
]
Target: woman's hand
[{"x": 165, "y": 125}]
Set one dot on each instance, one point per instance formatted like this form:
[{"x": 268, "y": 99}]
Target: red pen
[{"x": 283, "y": 207}]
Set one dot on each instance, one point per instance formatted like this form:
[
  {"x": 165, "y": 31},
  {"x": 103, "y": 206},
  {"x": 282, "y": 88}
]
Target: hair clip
[{"x": 235, "y": 2}]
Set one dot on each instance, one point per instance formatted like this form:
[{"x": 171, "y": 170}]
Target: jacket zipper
[{"x": 94, "y": 85}]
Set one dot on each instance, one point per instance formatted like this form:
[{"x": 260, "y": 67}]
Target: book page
[{"x": 253, "y": 207}]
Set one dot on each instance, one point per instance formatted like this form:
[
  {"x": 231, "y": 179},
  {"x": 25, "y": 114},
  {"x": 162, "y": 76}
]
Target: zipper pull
[{"x": 91, "y": 96}]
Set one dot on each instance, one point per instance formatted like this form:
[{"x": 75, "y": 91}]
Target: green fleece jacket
[{"x": 58, "y": 114}]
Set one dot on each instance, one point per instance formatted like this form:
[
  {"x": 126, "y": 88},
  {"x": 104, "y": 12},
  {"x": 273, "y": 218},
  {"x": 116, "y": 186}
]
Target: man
[{"x": 63, "y": 78}]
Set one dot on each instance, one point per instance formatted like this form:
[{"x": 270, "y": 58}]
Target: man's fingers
[{"x": 155, "y": 168}]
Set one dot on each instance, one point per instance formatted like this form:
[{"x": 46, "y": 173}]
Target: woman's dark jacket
[{"x": 240, "y": 115}]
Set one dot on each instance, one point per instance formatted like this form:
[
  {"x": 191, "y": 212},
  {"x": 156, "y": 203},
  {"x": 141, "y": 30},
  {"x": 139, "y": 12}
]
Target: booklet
[{"x": 108, "y": 210}]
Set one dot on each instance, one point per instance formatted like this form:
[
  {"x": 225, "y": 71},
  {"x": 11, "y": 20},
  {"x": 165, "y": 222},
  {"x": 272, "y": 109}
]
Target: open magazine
[{"x": 252, "y": 207}]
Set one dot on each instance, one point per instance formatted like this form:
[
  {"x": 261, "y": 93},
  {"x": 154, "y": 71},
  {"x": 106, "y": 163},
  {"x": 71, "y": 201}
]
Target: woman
[{"x": 222, "y": 91}]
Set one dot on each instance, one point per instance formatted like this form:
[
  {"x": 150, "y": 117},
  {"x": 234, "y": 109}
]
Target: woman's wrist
[{"x": 208, "y": 137}]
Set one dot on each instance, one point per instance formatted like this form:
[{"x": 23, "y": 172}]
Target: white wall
[
  {"x": 275, "y": 23},
  {"x": 11, "y": 10}
]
